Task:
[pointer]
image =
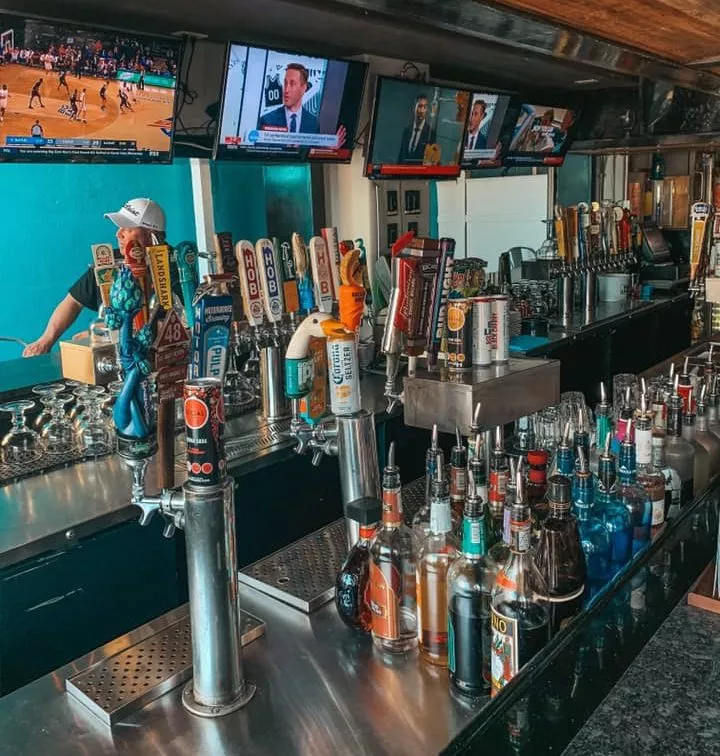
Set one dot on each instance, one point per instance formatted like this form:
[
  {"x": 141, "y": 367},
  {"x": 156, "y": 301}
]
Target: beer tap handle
[
  {"x": 169, "y": 529},
  {"x": 321, "y": 273},
  {"x": 269, "y": 281},
  {"x": 249, "y": 284},
  {"x": 148, "y": 506}
]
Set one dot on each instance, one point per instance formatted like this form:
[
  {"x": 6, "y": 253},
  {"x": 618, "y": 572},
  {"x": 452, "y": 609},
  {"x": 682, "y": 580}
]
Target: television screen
[
  {"x": 541, "y": 135},
  {"x": 286, "y": 106},
  {"x": 79, "y": 94},
  {"x": 417, "y": 130},
  {"x": 489, "y": 130}
]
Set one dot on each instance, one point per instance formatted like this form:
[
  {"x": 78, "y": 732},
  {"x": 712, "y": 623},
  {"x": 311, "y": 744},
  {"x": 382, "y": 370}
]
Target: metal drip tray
[
  {"x": 264, "y": 438},
  {"x": 125, "y": 682},
  {"x": 302, "y": 574}
]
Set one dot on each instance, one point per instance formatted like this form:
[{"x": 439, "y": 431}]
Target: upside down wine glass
[{"x": 22, "y": 444}]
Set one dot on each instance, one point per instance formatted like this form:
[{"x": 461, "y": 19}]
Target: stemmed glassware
[
  {"x": 77, "y": 412},
  {"x": 58, "y": 435},
  {"x": 46, "y": 393},
  {"x": 22, "y": 444},
  {"x": 93, "y": 433}
]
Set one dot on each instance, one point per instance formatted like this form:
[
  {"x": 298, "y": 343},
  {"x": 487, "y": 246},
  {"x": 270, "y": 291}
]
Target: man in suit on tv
[
  {"x": 416, "y": 136},
  {"x": 476, "y": 137},
  {"x": 291, "y": 115}
]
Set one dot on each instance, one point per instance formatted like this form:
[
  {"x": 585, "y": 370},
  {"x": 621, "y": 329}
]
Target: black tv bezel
[
  {"x": 517, "y": 159},
  {"x": 243, "y": 156},
  {"x": 409, "y": 176},
  {"x": 48, "y": 158},
  {"x": 508, "y": 124}
]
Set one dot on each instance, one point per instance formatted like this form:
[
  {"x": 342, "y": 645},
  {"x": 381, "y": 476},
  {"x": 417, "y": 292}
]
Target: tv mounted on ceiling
[{"x": 541, "y": 136}]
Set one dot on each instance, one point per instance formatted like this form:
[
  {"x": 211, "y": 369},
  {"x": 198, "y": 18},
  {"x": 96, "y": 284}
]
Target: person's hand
[
  {"x": 41, "y": 346},
  {"x": 341, "y": 136}
]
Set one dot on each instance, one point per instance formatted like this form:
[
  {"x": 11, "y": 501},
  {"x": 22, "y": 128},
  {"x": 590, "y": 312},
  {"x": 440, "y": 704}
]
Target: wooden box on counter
[{"x": 88, "y": 360}]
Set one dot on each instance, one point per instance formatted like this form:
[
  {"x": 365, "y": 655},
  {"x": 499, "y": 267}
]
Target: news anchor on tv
[
  {"x": 416, "y": 136},
  {"x": 477, "y": 137},
  {"x": 291, "y": 115}
]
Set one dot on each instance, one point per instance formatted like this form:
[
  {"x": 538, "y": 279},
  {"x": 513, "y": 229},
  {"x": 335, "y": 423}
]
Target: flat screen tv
[
  {"x": 70, "y": 93},
  {"x": 417, "y": 130},
  {"x": 541, "y": 136},
  {"x": 287, "y": 106},
  {"x": 491, "y": 118}
]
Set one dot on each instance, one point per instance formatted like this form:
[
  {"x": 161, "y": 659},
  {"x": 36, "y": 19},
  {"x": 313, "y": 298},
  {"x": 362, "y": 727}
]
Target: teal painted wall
[{"x": 53, "y": 213}]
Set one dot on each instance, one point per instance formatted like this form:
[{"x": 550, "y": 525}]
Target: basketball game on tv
[
  {"x": 78, "y": 94},
  {"x": 288, "y": 106}
]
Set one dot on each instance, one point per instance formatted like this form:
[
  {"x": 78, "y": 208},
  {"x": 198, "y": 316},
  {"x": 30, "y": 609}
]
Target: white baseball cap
[{"x": 139, "y": 213}]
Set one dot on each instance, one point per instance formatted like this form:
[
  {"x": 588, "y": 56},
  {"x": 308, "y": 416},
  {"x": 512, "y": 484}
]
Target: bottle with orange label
[
  {"x": 392, "y": 571},
  {"x": 498, "y": 473},
  {"x": 519, "y": 614}
]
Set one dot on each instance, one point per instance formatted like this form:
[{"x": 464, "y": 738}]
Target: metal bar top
[{"x": 322, "y": 690}]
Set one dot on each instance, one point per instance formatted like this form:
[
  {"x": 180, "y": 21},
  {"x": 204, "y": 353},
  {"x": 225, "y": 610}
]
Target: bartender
[{"x": 140, "y": 220}]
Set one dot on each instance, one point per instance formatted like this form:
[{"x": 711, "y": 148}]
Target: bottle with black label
[
  {"x": 679, "y": 454},
  {"x": 519, "y": 617},
  {"x": 559, "y": 556},
  {"x": 469, "y": 584}
]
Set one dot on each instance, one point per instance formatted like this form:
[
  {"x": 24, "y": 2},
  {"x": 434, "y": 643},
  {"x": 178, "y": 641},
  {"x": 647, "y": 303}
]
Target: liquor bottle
[
  {"x": 559, "y": 556},
  {"x": 702, "y": 433},
  {"x": 603, "y": 426},
  {"x": 469, "y": 585},
  {"x": 476, "y": 444},
  {"x": 392, "y": 571},
  {"x": 594, "y": 535},
  {"x": 431, "y": 458},
  {"x": 458, "y": 474},
  {"x": 713, "y": 402},
  {"x": 701, "y": 466},
  {"x": 353, "y": 581},
  {"x": 564, "y": 456},
  {"x": 537, "y": 489},
  {"x": 499, "y": 552},
  {"x": 524, "y": 437},
  {"x": 649, "y": 476},
  {"x": 519, "y": 615},
  {"x": 498, "y": 472},
  {"x": 659, "y": 410},
  {"x": 612, "y": 511},
  {"x": 673, "y": 483},
  {"x": 632, "y": 495},
  {"x": 624, "y": 415},
  {"x": 422, "y": 521},
  {"x": 478, "y": 472},
  {"x": 684, "y": 387},
  {"x": 680, "y": 455},
  {"x": 581, "y": 438},
  {"x": 435, "y": 555}
]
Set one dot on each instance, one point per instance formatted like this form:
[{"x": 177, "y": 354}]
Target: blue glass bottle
[
  {"x": 594, "y": 534},
  {"x": 612, "y": 511},
  {"x": 633, "y": 495},
  {"x": 603, "y": 426},
  {"x": 565, "y": 457}
]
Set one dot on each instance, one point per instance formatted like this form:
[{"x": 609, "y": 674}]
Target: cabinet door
[{"x": 58, "y": 606}]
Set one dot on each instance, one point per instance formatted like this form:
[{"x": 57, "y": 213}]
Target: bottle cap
[
  {"x": 473, "y": 500},
  {"x": 537, "y": 458},
  {"x": 366, "y": 510},
  {"x": 559, "y": 489},
  {"x": 475, "y": 425},
  {"x": 458, "y": 454}
]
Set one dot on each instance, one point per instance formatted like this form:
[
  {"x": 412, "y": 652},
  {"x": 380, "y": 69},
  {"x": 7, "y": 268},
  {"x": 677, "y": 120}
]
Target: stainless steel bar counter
[{"x": 322, "y": 690}]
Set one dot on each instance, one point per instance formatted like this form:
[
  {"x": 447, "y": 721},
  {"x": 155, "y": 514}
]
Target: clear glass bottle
[
  {"x": 632, "y": 495},
  {"x": 392, "y": 571},
  {"x": 559, "y": 556},
  {"x": 679, "y": 454},
  {"x": 421, "y": 520},
  {"x": 649, "y": 476},
  {"x": 352, "y": 593},
  {"x": 603, "y": 426},
  {"x": 431, "y": 458},
  {"x": 612, "y": 511},
  {"x": 594, "y": 535},
  {"x": 581, "y": 439},
  {"x": 458, "y": 474},
  {"x": 476, "y": 442},
  {"x": 713, "y": 404},
  {"x": 624, "y": 415},
  {"x": 478, "y": 471},
  {"x": 703, "y": 436},
  {"x": 434, "y": 557},
  {"x": 537, "y": 489},
  {"x": 469, "y": 585},
  {"x": 519, "y": 616},
  {"x": 673, "y": 484},
  {"x": 701, "y": 464},
  {"x": 499, "y": 552},
  {"x": 499, "y": 472}
]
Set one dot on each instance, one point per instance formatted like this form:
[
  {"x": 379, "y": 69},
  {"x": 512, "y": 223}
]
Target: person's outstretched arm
[{"x": 62, "y": 318}]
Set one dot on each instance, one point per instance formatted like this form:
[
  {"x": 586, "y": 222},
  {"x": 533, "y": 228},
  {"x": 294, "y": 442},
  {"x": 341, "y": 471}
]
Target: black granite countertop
[{"x": 668, "y": 700}]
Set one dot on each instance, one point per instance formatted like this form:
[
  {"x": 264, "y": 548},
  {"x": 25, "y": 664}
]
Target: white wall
[{"x": 488, "y": 216}]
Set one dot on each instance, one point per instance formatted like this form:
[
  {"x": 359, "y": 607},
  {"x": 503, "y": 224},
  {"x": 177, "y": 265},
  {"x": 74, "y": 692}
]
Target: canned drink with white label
[
  {"x": 459, "y": 335},
  {"x": 501, "y": 329},
  {"x": 482, "y": 332},
  {"x": 343, "y": 374},
  {"x": 204, "y": 431}
]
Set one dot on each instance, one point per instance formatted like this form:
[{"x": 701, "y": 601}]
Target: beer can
[
  {"x": 204, "y": 431},
  {"x": 459, "y": 335},
  {"x": 500, "y": 329},
  {"x": 482, "y": 333},
  {"x": 344, "y": 374}
]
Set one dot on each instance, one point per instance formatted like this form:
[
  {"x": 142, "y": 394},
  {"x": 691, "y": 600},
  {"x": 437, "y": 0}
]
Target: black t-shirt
[{"x": 86, "y": 291}]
